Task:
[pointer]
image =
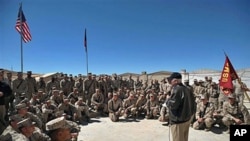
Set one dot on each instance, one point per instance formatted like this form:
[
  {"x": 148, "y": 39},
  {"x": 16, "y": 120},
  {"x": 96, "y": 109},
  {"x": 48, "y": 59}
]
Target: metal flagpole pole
[
  {"x": 21, "y": 35},
  {"x": 87, "y": 62},
  {"x": 86, "y": 49}
]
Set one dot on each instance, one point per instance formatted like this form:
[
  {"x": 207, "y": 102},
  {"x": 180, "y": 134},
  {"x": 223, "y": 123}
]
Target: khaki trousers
[{"x": 180, "y": 131}]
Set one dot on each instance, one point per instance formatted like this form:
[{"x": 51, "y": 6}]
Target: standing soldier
[
  {"x": 204, "y": 114},
  {"x": 240, "y": 88},
  {"x": 137, "y": 83},
  {"x": 199, "y": 91},
  {"x": 41, "y": 84},
  {"x": 213, "y": 95},
  {"x": 163, "y": 85},
  {"x": 72, "y": 82},
  {"x": 234, "y": 113},
  {"x": 52, "y": 83},
  {"x": 130, "y": 83},
  {"x": 9, "y": 99},
  {"x": 115, "y": 83},
  {"x": 31, "y": 85},
  {"x": 65, "y": 85},
  {"x": 115, "y": 108},
  {"x": 90, "y": 86},
  {"x": 79, "y": 86},
  {"x": 19, "y": 86}
]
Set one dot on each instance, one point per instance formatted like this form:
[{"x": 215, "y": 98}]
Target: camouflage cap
[
  {"x": 25, "y": 122},
  {"x": 15, "y": 117},
  {"x": 151, "y": 95},
  {"x": 55, "y": 90},
  {"x": 204, "y": 96},
  {"x": 21, "y": 105},
  {"x": 29, "y": 72},
  {"x": 57, "y": 124},
  {"x": 232, "y": 95},
  {"x": 213, "y": 83},
  {"x": 25, "y": 100},
  {"x": 19, "y": 72}
]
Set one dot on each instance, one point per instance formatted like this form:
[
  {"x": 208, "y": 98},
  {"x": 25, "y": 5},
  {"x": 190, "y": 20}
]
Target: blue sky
[{"x": 126, "y": 35}]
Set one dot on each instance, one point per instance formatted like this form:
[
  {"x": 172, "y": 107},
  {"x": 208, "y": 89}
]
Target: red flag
[
  {"x": 227, "y": 76},
  {"x": 85, "y": 40},
  {"x": 22, "y": 26}
]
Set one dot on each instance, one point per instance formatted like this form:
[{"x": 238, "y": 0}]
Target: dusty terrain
[{"x": 142, "y": 130}]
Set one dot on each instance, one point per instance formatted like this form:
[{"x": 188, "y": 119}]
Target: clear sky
[{"x": 126, "y": 35}]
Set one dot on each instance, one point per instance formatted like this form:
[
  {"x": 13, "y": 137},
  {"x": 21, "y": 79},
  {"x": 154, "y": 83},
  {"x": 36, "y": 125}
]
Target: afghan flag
[{"x": 227, "y": 76}]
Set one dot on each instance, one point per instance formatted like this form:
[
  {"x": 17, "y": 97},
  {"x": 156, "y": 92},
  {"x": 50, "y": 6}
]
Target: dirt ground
[{"x": 140, "y": 130}]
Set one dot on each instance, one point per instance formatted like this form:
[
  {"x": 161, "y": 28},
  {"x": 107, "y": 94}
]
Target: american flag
[{"x": 22, "y": 26}]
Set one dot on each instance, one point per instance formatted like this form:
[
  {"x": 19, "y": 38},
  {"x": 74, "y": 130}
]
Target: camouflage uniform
[
  {"x": 52, "y": 83},
  {"x": 90, "y": 86},
  {"x": 79, "y": 86},
  {"x": 82, "y": 109},
  {"x": 31, "y": 85},
  {"x": 152, "y": 106},
  {"x": 57, "y": 124},
  {"x": 97, "y": 102},
  {"x": 73, "y": 96},
  {"x": 31, "y": 116},
  {"x": 130, "y": 83},
  {"x": 68, "y": 109},
  {"x": 199, "y": 91},
  {"x": 39, "y": 136},
  {"x": 129, "y": 106},
  {"x": 141, "y": 104},
  {"x": 233, "y": 112},
  {"x": 48, "y": 110},
  {"x": 239, "y": 91},
  {"x": 41, "y": 84},
  {"x": 28, "y": 125},
  {"x": 205, "y": 112},
  {"x": 115, "y": 84},
  {"x": 19, "y": 86},
  {"x": 65, "y": 85},
  {"x": 115, "y": 108},
  {"x": 11, "y": 132},
  {"x": 213, "y": 95}
]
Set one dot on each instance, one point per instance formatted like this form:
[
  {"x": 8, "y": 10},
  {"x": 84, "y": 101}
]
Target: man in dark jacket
[
  {"x": 181, "y": 108},
  {"x": 5, "y": 90}
]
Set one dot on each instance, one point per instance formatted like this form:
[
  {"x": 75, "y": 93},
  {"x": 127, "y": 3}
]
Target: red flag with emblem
[{"x": 228, "y": 74}]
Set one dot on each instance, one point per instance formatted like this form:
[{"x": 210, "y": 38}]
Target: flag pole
[
  {"x": 21, "y": 24},
  {"x": 244, "y": 89},
  {"x": 86, "y": 49}
]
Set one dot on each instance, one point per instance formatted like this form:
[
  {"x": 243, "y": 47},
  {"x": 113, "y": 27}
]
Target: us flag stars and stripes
[{"x": 22, "y": 26}]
